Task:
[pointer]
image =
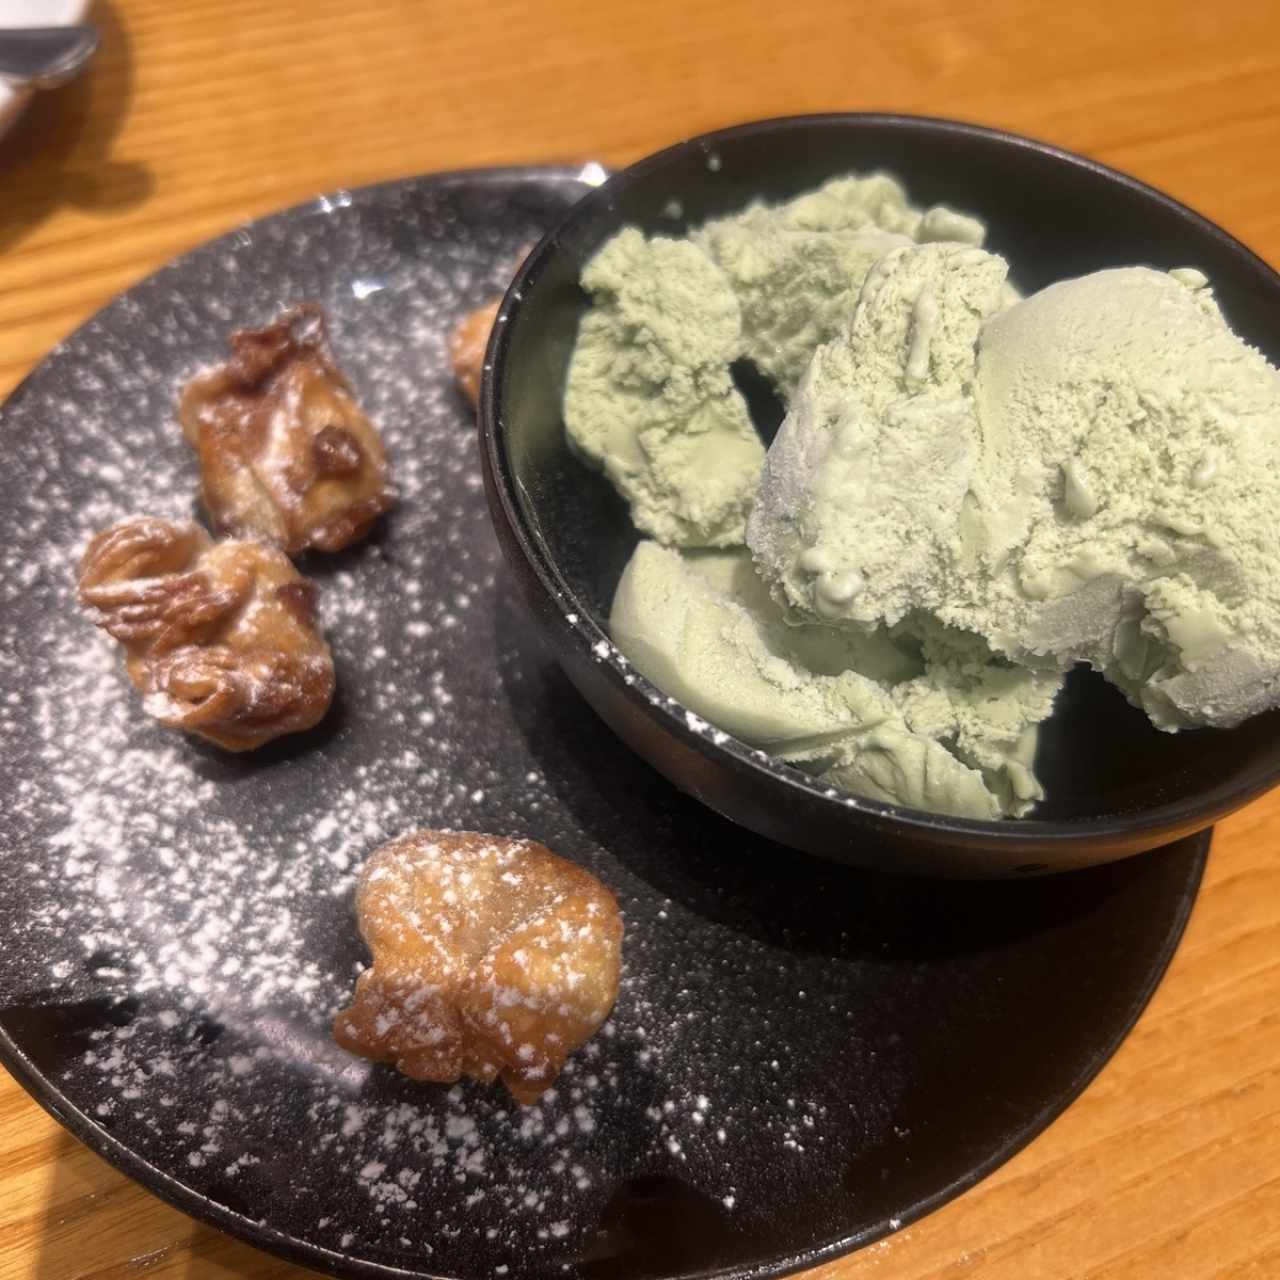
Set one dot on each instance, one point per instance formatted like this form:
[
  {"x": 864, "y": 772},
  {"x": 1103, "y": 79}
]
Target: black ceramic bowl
[{"x": 1115, "y": 785}]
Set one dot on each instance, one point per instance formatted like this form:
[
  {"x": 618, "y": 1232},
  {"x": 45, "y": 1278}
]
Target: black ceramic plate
[{"x": 802, "y": 1057}]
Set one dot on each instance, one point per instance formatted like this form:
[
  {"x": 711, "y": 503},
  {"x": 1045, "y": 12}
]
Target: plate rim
[{"x": 339, "y": 198}]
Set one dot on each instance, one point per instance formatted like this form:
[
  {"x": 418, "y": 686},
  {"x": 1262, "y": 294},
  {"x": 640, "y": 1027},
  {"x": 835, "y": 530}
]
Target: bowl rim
[{"x": 1178, "y": 817}]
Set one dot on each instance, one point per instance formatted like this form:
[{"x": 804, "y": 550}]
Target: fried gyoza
[
  {"x": 491, "y": 957},
  {"x": 467, "y": 345},
  {"x": 220, "y": 639},
  {"x": 285, "y": 453}
]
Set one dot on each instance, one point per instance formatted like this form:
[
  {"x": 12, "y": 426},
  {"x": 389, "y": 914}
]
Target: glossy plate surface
[{"x": 803, "y": 1056}]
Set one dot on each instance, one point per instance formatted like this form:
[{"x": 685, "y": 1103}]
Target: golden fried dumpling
[
  {"x": 285, "y": 453},
  {"x": 492, "y": 957},
  {"x": 220, "y": 639},
  {"x": 467, "y": 345}
]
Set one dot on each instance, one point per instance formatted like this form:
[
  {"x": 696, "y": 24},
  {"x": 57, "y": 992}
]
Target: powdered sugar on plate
[{"x": 186, "y": 931}]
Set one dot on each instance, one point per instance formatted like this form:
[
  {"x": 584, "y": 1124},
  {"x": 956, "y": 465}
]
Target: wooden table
[{"x": 200, "y": 114}]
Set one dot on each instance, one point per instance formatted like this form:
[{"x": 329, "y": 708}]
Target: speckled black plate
[{"x": 803, "y": 1057}]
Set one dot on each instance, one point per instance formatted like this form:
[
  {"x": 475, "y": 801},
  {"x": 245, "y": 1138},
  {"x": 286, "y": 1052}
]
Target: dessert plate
[{"x": 803, "y": 1057}]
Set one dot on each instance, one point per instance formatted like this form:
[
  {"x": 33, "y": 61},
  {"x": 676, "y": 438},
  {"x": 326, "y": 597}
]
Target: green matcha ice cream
[
  {"x": 1089, "y": 475},
  {"x": 918, "y": 714},
  {"x": 922, "y": 717},
  {"x": 870, "y": 476},
  {"x": 969, "y": 494},
  {"x": 796, "y": 268},
  {"x": 650, "y": 399},
  {"x": 1142, "y": 506}
]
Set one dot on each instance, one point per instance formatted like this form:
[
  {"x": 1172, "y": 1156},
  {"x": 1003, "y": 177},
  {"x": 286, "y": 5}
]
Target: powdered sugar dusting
[{"x": 189, "y": 913}]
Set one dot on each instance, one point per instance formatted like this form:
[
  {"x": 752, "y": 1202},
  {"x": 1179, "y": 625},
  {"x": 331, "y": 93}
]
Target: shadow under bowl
[{"x": 1115, "y": 785}]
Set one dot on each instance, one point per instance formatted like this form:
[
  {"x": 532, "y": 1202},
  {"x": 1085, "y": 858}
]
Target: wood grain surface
[{"x": 200, "y": 114}]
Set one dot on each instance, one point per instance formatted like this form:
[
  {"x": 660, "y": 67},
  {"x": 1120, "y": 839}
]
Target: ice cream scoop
[
  {"x": 1089, "y": 475},
  {"x": 920, "y": 716},
  {"x": 649, "y": 398}
]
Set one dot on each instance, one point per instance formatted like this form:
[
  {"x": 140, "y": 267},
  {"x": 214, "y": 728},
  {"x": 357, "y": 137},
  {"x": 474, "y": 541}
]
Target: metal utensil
[{"x": 45, "y": 57}]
